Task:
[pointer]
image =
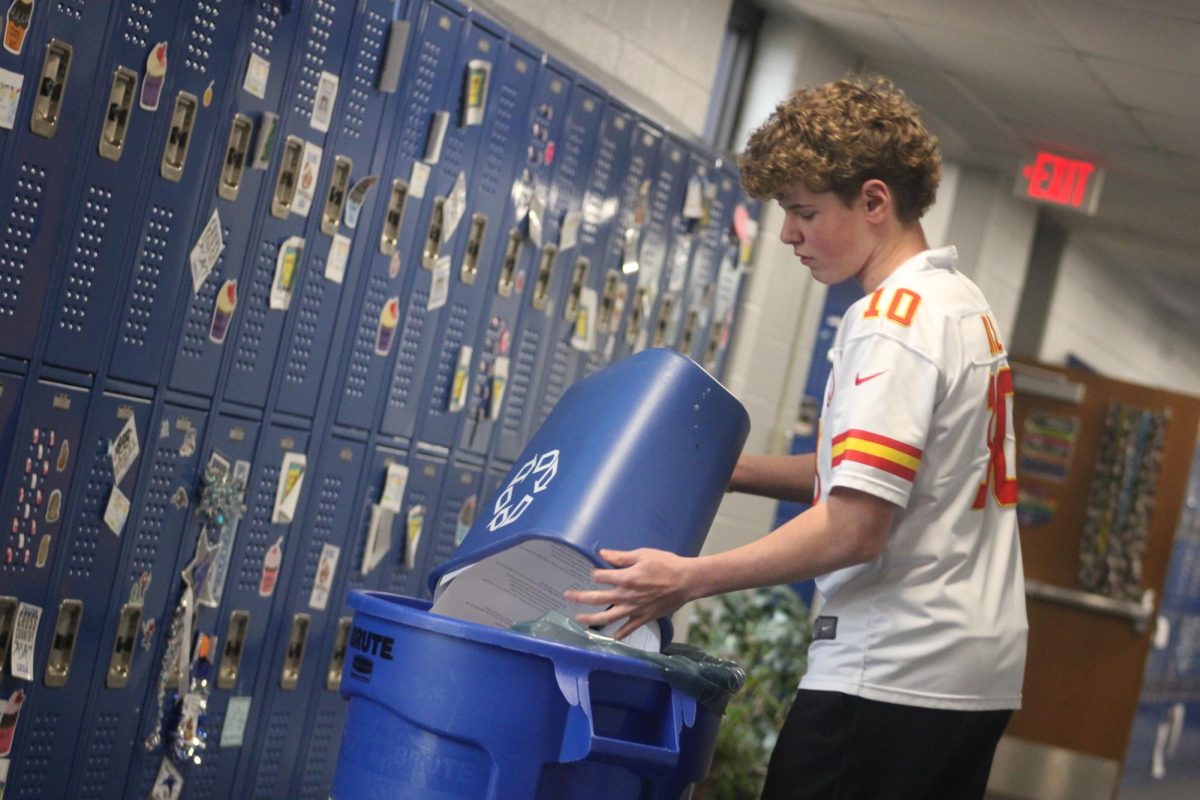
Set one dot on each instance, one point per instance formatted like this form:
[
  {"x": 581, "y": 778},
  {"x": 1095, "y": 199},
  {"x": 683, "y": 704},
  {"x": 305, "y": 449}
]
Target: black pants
[{"x": 835, "y": 746}]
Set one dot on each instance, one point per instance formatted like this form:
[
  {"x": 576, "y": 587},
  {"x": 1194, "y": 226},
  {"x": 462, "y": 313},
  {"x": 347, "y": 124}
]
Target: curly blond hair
[{"x": 833, "y": 137}]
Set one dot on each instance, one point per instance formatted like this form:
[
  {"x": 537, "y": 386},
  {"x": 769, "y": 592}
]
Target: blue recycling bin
[
  {"x": 440, "y": 708},
  {"x": 636, "y": 455}
]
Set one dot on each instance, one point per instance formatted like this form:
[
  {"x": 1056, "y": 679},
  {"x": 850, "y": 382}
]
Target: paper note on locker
[
  {"x": 455, "y": 207},
  {"x": 206, "y": 251},
  {"x": 258, "y": 72},
  {"x": 10, "y": 97},
  {"x": 306, "y": 185},
  {"x": 379, "y": 537},
  {"x": 323, "y": 583},
  {"x": 569, "y": 233},
  {"x": 393, "y": 487},
  {"x": 24, "y": 637},
  {"x": 335, "y": 262},
  {"x": 322, "y": 112},
  {"x": 287, "y": 268},
  {"x": 117, "y": 511},
  {"x": 439, "y": 287},
  {"x": 287, "y": 493},
  {"x": 124, "y": 450}
]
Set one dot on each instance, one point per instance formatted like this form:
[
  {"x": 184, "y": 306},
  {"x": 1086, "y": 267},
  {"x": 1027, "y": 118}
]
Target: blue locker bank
[{"x": 286, "y": 287}]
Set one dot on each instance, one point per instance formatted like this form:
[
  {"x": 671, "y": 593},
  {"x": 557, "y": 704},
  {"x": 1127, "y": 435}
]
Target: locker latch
[
  {"x": 123, "y": 646},
  {"x": 508, "y": 269},
  {"x": 231, "y": 656},
  {"x": 545, "y": 271},
  {"x": 62, "y": 649},
  {"x": 240, "y": 133},
  {"x": 48, "y": 102},
  {"x": 470, "y": 265},
  {"x": 333, "y": 675},
  {"x": 608, "y": 320},
  {"x": 633, "y": 328},
  {"x": 578, "y": 279},
  {"x": 8, "y": 619},
  {"x": 116, "y": 118},
  {"x": 286, "y": 180},
  {"x": 293, "y": 659},
  {"x": 433, "y": 238},
  {"x": 183, "y": 118},
  {"x": 390, "y": 236},
  {"x": 335, "y": 200},
  {"x": 689, "y": 331},
  {"x": 714, "y": 344},
  {"x": 664, "y": 322}
]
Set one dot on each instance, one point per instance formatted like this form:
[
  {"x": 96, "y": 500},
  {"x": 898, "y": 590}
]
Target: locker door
[
  {"x": 318, "y": 755},
  {"x": 138, "y": 616},
  {"x": 440, "y": 224},
  {"x": 552, "y": 271},
  {"x": 502, "y": 369},
  {"x": 240, "y": 550},
  {"x": 684, "y": 246},
  {"x": 78, "y": 593},
  {"x": 121, "y": 146},
  {"x": 11, "y": 387},
  {"x": 38, "y": 176},
  {"x": 457, "y": 507},
  {"x": 656, "y": 260},
  {"x": 455, "y": 393},
  {"x": 36, "y": 502},
  {"x": 415, "y": 524},
  {"x": 357, "y": 150},
  {"x": 296, "y": 663},
  {"x": 713, "y": 247},
  {"x": 730, "y": 282},
  {"x": 401, "y": 223},
  {"x": 586, "y": 263},
  {"x": 165, "y": 237},
  {"x": 276, "y": 269},
  {"x": 618, "y": 279},
  {"x": 234, "y": 195}
]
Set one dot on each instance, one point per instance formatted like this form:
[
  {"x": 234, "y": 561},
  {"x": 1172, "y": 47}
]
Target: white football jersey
[{"x": 918, "y": 411}]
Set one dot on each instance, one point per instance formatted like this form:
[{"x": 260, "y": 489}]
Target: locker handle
[
  {"x": 240, "y": 131},
  {"x": 53, "y": 83},
  {"x": 339, "y": 187},
  {"x": 116, "y": 119},
  {"x": 293, "y": 658},
  {"x": 633, "y": 328},
  {"x": 62, "y": 650},
  {"x": 123, "y": 646},
  {"x": 508, "y": 269},
  {"x": 608, "y": 302},
  {"x": 231, "y": 656},
  {"x": 8, "y": 619},
  {"x": 714, "y": 344},
  {"x": 286, "y": 180},
  {"x": 183, "y": 117},
  {"x": 541, "y": 284},
  {"x": 390, "y": 235},
  {"x": 689, "y": 331},
  {"x": 664, "y": 321},
  {"x": 333, "y": 675},
  {"x": 578, "y": 279},
  {"x": 433, "y": 238},
  {"x": 470, "y": 265}
]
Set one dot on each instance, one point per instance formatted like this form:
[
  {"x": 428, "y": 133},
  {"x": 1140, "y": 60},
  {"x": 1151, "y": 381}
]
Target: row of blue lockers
[{"x": 284, "y": 289}]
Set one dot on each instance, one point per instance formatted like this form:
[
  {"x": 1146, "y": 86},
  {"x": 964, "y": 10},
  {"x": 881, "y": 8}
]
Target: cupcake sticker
[
  {"x": 156, "y": 74},
  {"x": 389, "y": 318},
  {"x": 223, "y": 313}
]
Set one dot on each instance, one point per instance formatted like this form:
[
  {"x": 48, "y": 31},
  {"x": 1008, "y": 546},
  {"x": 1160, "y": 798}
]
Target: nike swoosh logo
[{"x": 860, "y": 379}]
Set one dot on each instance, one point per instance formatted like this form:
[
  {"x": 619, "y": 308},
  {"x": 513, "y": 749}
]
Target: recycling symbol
[{"x": 542, "y": 468}]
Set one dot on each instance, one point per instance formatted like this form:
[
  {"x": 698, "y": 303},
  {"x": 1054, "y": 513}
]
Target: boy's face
[{"x": 828, "y": 237}]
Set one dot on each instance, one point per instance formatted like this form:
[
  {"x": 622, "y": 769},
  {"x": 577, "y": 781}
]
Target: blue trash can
[
  {"x": 636, "y": 455},
  {"x": 441, "y": 709}
]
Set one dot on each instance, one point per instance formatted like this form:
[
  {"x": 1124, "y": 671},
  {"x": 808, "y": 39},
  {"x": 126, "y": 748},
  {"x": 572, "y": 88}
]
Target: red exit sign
[{"x": 1061, "y": 181}]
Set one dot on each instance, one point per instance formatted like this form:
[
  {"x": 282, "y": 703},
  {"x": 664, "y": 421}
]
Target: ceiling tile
[
  {"x": 865, "y": 32},
  {"x": 1173, "y": 134},
  {"x": 1007, "y": 19},
  {"x": 1125, "y": 34},
  {"x": 1017, "y": 64},
  {"x": 1182, "y": 9},
  {"x": 1164, "y": 91}
]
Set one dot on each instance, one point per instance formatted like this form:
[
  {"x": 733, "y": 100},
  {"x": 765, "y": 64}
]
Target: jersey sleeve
[{"x": 879, "y": 415}]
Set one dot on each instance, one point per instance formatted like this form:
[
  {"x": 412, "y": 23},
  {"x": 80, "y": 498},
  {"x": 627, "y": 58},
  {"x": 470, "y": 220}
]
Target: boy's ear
[{"x": 877, "y": 199}]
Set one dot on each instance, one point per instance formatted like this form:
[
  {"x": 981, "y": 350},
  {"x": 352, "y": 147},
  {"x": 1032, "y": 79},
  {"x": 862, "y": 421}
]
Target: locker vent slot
[
  {"x": 116, "y": 118},
  {"x": 62, "y": 648},
  {"x": 18, "y": 235},
  {"x": 183, "y": 118},
  {"x": 144, "y": 291},
  {"x": 48, "y": 97},
  {"x": 86, "y": 257},
  {"x": 508, "y": 269},
  {"x": 235, "y": 643}
]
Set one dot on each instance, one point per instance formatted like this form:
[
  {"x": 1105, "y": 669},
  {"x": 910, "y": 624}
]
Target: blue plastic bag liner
[
  {"x": 638, "y": 454},
  {"x": 441, "y": 708}
]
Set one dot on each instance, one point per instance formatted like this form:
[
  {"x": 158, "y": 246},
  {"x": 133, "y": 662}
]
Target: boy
[{"x": 918, "y": 655}]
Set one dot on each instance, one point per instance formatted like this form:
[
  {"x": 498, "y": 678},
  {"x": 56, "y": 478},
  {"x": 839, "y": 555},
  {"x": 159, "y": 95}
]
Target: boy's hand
[{"x": 646, "y": 585}]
